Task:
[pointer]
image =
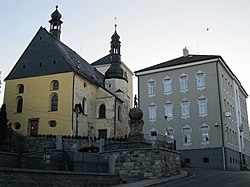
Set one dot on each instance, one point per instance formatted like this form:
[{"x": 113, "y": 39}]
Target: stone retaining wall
[
  {"x": 29, "y": 178},
  {"x": 146, "y": 163}
]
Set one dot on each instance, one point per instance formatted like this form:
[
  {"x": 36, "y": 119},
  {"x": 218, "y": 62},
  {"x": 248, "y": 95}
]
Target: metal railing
[
  {"x": 52, "y": 159},
  {"x": 161, "y": 141}
]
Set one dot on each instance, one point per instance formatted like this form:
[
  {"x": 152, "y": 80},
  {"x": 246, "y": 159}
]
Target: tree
[{"x": 4, "y": 126}]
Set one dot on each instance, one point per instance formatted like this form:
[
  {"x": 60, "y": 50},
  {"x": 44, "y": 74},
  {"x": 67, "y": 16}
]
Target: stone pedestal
[{"x": 136, "y": 124}]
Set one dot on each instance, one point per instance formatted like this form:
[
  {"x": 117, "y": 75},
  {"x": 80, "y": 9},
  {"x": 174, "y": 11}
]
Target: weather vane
[{"x": 115, "y": 23}]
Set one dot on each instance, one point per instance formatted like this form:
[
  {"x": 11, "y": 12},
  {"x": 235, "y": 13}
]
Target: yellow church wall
[
  {"x": 94, "y": 96},
  {"x": 37, "y": 102}
]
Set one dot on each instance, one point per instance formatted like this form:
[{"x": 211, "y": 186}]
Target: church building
[{"x": 53, "y": 90}]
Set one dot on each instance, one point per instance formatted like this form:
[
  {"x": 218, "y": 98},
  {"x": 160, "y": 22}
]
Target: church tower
[
  {"x": 55, "y": 24},
  {"x": 116, "y": 79}
]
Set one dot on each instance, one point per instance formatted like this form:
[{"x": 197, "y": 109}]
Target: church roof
[
  {"x": 103, "y": 61},
  {"x": 45, "y": 55}
]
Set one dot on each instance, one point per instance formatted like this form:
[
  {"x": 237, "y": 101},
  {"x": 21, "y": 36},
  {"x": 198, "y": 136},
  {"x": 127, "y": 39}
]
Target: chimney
[{"x": 185, "y": 52}]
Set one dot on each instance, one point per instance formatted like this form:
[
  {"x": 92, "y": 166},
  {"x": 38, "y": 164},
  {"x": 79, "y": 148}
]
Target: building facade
[
  {"x": 198, "y": 101},
  {"x": 53, "y": 90}
]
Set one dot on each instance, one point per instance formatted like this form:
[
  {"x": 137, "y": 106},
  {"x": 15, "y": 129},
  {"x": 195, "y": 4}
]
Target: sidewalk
[{"x": 150, "y": 182}]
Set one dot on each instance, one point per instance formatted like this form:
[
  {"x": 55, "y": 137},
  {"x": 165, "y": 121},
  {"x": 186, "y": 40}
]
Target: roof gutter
[
  {"x": 138, "y": 73},
  {"x": 72, "y": 113}
]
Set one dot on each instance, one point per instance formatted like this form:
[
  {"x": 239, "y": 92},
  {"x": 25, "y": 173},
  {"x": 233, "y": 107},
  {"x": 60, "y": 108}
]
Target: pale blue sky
[{"x": 152, "y": 31}]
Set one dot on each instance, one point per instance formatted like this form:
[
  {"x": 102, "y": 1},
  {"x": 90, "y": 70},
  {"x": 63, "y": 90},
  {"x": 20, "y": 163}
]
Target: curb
[{"x": 151, "y": 182}]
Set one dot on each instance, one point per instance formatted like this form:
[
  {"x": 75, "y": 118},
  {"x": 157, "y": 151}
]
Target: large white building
[{"x": 197, "y": 100}]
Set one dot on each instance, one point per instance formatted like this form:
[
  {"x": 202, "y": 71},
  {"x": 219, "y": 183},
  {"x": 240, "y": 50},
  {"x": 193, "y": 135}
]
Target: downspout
[
  {"x": 73, "y": 95},
  {"x": 115, "y": 119},
  {"x": 221, "y": 114}
]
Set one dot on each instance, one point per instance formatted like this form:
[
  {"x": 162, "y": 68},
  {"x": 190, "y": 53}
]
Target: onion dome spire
[
  {"x": 55, "y": 24},
  {"x": 115, "y": 70}
]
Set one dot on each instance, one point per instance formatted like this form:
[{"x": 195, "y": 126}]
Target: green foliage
[{"x": 4, "y": 126}]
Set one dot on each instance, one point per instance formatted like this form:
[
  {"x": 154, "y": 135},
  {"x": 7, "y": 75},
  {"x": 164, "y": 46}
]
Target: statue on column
[{"x": 136, "y": 123}]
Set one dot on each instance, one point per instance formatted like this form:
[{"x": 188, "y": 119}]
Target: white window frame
[
  {"x": 151, "y": 87},
  {"x": 200, "y": 80},
  {"x": 185, "y": 108},
  {"x": 202, "y": 102},
  {"x": 187, "y": 138},
  {"x": 152, "y": 112},
  {"x": 167, "y": 85},
  {"x": 204, "y": 129},
  {"x": 183, "y": 83},
  {"x": 170, "y": 135},
  {"x": 168, "y": 110}
]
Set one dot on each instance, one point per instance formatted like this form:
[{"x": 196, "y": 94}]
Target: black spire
[
  {"x": 55, "y": 24},
  {"x": 115, "y": 70}
]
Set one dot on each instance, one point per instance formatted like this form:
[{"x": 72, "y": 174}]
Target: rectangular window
[
  {"x": 205, "y": 160},
  {"x": 183, "y": 83},
  {"x": 204, "y": 134},
  {"x": 185, "y": 108},
  {"x": 202, "y": 106},
  {"x": 186, "y": 135},
  {"x": 102, "y": 133},
  {"x": 168, "y": 110},
  {"x": 152, "y": 112},
  {"x": 170, "y": 136},
  {"x": 200, "y": 77},
  {"x": 167, "y": 85},
  {"x": 151, "y": 88}
]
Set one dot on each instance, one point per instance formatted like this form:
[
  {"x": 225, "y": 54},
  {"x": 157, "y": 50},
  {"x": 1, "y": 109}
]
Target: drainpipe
[
  {"x": 115, "y": 119},
  {"x": 73, "y": 95},
  {"x": 221, "y": 114}
]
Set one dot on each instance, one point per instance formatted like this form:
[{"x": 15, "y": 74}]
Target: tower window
[
  {"x": 119, "y": 113},
  {"x": 102, "y": 111},
  {"x": 84, "y": 106}
]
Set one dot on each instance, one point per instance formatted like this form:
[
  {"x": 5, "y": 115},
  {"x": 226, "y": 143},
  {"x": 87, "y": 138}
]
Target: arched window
[
  {"x": 19, "y": 107},
  {"x": 20, "y": 88},
  {"x": 119, "y": 113},
  {"x": 102, "y": 111},
  {"x": 54, "y": 103},
  {"x": 55, "y": 85},
  {"x": 84, "y": 106}
]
